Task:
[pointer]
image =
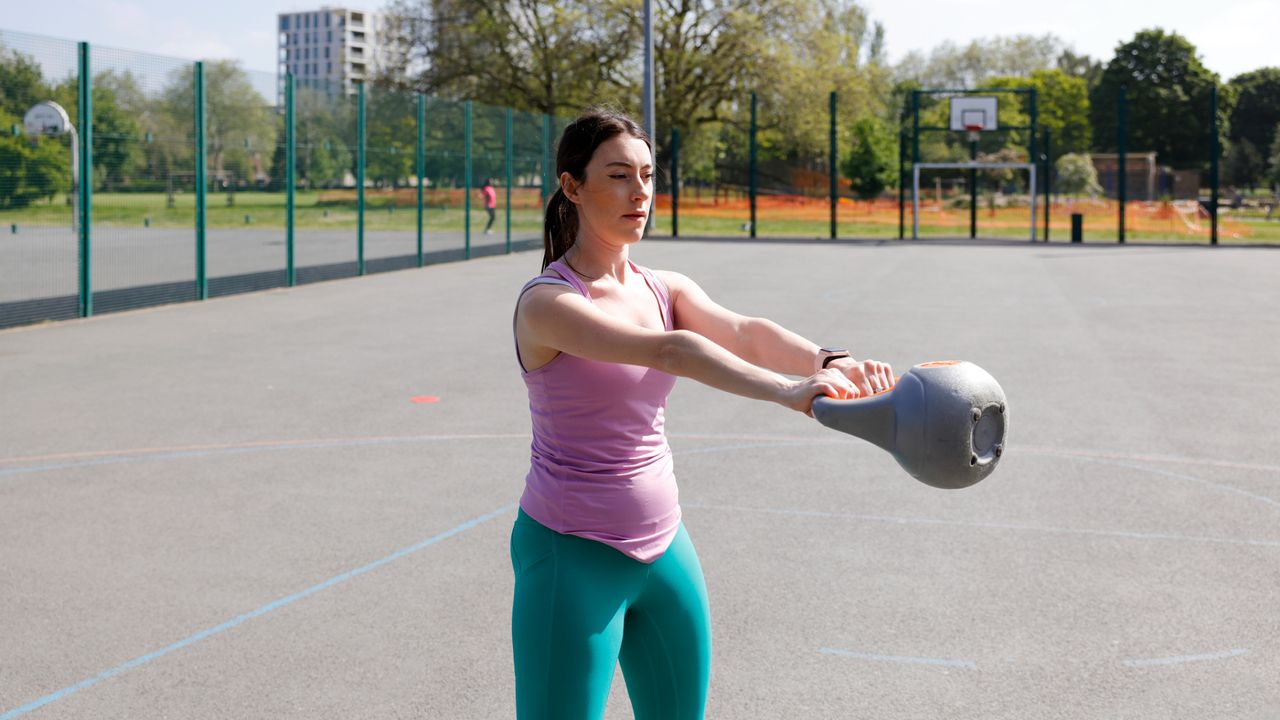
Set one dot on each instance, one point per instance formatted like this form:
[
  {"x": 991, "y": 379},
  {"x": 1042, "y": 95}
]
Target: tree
[
  {"x": 1076, "y": 175},
  {"x": 872, "y": 165},
  {"x": 117, "y": 133},
  {"x": 1256, "y": 110},
  {"x": 21, "y": 83},
  {"x": 550, "y": 57},
  {"x": 1273, "y": 173},
  {"x": 240, "y": 124},
  {"x": 1168, "y": 92},
  {"x": 1080, "y": 66},
  {"x": 1062, "y": 107},
  {"x": 952, "y": 66},
  {"x": 1243, "y": 164},
  {"x": 31, "y": 168}
]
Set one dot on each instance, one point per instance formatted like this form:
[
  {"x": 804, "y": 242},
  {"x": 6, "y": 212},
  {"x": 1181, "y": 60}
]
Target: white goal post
[{"x": 915, "y": 186}]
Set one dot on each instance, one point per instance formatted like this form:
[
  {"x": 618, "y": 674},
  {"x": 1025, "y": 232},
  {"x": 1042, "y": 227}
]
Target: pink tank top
[{"x": 600, "y": 464}]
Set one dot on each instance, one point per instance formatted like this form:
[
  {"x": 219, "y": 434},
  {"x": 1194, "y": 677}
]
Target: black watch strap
[{"x": 832, "y": 354}]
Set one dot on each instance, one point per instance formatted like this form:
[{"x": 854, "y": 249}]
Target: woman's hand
[
  {"x": 869, "y": 376},
  {"x": 799, "y": 394}
]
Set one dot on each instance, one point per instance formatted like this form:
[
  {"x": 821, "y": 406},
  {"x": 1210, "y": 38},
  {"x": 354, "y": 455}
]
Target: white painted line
[
  {"x": 1152, "y": 662},
  {"x": 937, "y": 662},
  {"x": 893, "y": 520}
]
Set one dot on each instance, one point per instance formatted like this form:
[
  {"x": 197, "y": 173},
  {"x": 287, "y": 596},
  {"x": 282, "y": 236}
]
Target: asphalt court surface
[{"x": 236, "y": 508}]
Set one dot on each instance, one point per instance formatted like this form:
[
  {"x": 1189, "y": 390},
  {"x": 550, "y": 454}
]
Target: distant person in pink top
[
  {"x": 490, "y": 203},
  {"x": 605, "y": 570}
]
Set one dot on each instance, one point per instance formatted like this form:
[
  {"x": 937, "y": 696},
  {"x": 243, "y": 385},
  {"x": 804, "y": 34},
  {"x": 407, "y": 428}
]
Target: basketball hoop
[{"x": 974, "y": 131}]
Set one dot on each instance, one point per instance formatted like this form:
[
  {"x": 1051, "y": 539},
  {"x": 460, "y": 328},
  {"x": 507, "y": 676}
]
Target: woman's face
[{"x": 613, "y": 200}]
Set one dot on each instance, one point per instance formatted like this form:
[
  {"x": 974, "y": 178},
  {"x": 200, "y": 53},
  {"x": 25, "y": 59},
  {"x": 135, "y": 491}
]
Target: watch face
[{"x": 833, "y": 350}]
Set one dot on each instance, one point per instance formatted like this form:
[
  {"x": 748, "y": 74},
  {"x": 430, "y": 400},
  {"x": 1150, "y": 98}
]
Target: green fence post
[
  {"x": 466, "y": 179},
  {"x": 973, "y": 188},
  {"x": 1122, "y": 111},
  {"x": 752, "y": 165},
  {"x": 360, "y": 162},
  {"x": 202, "y": 280},
  {"x": 291, "y": 177},
  {"x": 546, "y": 160},
  {"x": 85, "y": 121},
  {"x": 902, "y": 176},
  {"x": 1048, "y": 170},
  {"x": 675, "y": 183},
  {"x": 831, "y": 163},
  {"x": 915, "y": 158},
  {"x": 1213, "y": 166},
  {"x": 420, "y": 166},
  {"x": 507, "y": 142}
]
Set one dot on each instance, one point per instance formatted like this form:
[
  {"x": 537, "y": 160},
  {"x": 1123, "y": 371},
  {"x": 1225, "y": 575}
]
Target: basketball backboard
[
  {"x": 976, "y": 114},
  {"x": 46, "y": 118}
]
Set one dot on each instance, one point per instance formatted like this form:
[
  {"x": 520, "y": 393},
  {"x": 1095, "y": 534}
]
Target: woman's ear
[{"x": 570, "y": 187}]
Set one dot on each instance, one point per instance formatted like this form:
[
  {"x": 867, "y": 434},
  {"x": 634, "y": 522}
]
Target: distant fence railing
[
  {"x": 170, "y": 180},
  {"x": 181, "y": 180}
]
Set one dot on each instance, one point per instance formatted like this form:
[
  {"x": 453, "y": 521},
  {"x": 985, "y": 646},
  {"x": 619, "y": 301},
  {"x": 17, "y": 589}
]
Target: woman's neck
[{"x": 592, "y": 261}]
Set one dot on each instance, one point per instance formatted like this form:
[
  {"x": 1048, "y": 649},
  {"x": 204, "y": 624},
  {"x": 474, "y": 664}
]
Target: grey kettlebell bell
[{"x": 944, "y": 422}]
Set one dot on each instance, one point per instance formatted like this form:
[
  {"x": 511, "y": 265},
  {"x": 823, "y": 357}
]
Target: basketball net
[{"x": 974, "y": 131}]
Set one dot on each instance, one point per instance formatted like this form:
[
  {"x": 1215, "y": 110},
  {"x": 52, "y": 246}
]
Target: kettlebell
[{"x": 945, "y": 422}]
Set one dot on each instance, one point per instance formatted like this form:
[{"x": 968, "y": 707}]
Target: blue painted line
[
  {"x": 1152, "y": 662},
  {"x": 204, "y": 634},
  {"x": 938, "y": 662}
]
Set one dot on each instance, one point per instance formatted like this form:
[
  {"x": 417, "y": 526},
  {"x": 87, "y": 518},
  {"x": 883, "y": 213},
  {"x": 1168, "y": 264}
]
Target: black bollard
[
  {"x": 944, "y": 422},
  {"x": 1077, "y": 227}
]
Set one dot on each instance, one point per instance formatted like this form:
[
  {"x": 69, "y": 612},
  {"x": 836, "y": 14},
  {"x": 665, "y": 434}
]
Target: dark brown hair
[{"x": 578, "y": 144}]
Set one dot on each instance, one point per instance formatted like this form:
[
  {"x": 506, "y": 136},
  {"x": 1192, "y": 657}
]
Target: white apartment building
[{"x": 331, "y": 48}]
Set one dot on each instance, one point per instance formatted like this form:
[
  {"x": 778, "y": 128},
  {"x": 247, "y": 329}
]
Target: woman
[{"x": 605, "y": 571}]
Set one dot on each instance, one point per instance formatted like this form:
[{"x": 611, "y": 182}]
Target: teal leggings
[{"x": 581, "y": 607}]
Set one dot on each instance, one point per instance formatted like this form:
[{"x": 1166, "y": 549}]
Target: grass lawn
[{"x": 330, "y": 209}]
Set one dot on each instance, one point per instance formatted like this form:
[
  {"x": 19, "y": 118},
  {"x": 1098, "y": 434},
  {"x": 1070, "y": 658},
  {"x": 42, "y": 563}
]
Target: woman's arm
[
  {"x": 761, "y": 341},
  {"x": 555, "y": 317}
]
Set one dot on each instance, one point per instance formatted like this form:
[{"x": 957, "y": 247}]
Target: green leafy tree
[
  {"x": 391, "y": 143},
  {"x": 21, "y": 83},
  {"x": 1244, "y": 165},
  {"x": 960, "y": 67},
  {"x": 872, "y": 166},
  {"x": 1062, "y": 108},
  {"x": 1168, "y": 91},
  {"x": 1256, "y": 111},
  {"x": 117, "y": 132},
  {"x": 31, "y": 168},
  {"x": 1080, "y": 66},
  {"x": 1076, "y": 175},
  {"x": 240, "y": 124},
  {"x": 1273, "y": 163},
  {"x": 550, "y": 57}
]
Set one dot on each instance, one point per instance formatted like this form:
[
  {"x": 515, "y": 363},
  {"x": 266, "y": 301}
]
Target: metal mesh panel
[
  {"x": 445, "y": 174},
  {"x": 326, "y": 216},
  {"x": 39, "y": 249},
  {"x": 391, "y": 128},
  {"x": 143, "y": 239},
  {"x": 527, "y": 155},
  {"x": 244, "y": 156}
]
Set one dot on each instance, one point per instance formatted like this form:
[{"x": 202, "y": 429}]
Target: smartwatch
[{"x": 832, "y": 353}]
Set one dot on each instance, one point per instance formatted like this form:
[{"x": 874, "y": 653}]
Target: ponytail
[
  {"x": 578, "y": 143},
  {"x": 559, "y": 227}
]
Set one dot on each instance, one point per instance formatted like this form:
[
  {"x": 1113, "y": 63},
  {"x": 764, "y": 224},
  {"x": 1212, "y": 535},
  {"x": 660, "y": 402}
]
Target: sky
[{"x": 1237, "y": 36}]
